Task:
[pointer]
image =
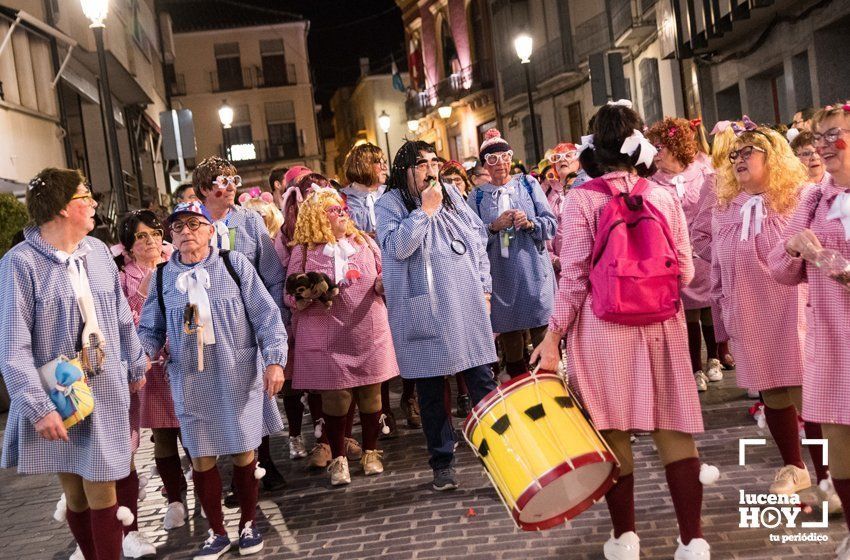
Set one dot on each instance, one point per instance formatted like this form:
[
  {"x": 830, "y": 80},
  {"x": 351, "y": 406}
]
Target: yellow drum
[{"x": 546, "y": 460}]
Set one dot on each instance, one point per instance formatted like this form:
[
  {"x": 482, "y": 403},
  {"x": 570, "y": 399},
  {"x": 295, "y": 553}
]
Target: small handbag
[{"x": 70, "y": 392}]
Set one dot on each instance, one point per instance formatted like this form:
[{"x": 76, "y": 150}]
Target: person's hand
[
  {"x": 144, "y": 285},
  {"x": 521, "y": 220},
  {"x": 148, "y": 363},
  {"x": 136, "y": 386},
  {"x": 806, "y": 244},
  {"x": 504, "y": 221},
  {"x": 487, "y": 300},
  {"x": 432, "y": 198},
  {"x": 51, "y": 427},
  {"x": 547, "y": 354},
  {"x": 273, "y": 380},
  {"x": 556, "y": 264},
  {"x": 379, "y": 286}
]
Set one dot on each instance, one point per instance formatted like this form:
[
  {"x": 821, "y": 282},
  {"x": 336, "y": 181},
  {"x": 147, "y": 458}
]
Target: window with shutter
[{"x": 650, "y": 86}]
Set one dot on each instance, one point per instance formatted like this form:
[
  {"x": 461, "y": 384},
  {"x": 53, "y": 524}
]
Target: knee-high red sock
[
  {"x": 842, "y": 488},
  {"x": 621, "y": 505},
  {"x": 695, "y": 345},
  {"x": 349, "y": 420},
  {"x": 335, "y": 427},
  {"x": 109, "y": 535},
  {"x": 247, "y": 487},
  {"x": 294, "y": 410},
  {"x": 369, "y": 423},
  {"x": 208, "y": 488},
  {"x": 172, "y": 477},
  {"x": 127, "y": 492},
  {"x": 784, "y": 428},
  {"x": 80, "y": 525},
  {"x": 314, "y": 403},
  {"x": 686, "y": 491},
  {"x": 813, "y": 431}
]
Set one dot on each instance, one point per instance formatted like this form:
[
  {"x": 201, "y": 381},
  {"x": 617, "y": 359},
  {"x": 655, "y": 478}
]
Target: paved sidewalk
[{"x": 397, "y": 516}]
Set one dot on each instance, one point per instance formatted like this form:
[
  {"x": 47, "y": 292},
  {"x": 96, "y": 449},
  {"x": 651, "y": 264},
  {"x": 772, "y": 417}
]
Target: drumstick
[{"x": 200, "y": 334}]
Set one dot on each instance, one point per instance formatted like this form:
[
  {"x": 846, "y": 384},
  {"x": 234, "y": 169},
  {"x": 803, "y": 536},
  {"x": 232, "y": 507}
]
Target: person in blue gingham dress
[
  {"x": 437, "y": 282},
  {"x": 523, "y": 277}
]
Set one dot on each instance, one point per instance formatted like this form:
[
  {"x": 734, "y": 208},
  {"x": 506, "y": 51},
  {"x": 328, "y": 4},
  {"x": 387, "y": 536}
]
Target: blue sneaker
[
  {"x": 213, "y": 547},
  {"x": 250, "y": 540}
]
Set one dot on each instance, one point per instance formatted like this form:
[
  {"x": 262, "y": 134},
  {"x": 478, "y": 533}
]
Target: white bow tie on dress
[
  {"x": 370, "y": 205},
  {"x": 222, "y": 235},
  {"x": 340, "y": 251},
  {"x": 840, "y": 210},
  {"x": 638, "y": 140},
  {"x": 195, "y": 283},
  {"x": 82, "y": 289},
  {"x": 503, "y": 204},
  {"x": 747, "y": 210},
  {"x": 679, "y": 182}
]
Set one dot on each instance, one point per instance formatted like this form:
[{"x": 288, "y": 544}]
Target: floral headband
[{"x": 255, "y": 192}]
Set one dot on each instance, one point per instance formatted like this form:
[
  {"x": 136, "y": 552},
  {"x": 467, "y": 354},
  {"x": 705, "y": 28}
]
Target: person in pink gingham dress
[
  {"x": 821, "y": 223},
  {"x": 684, "y": 176},
  {"x": 345, "y": 350},
  {"x": 630, "y": 378},
  {"x": 757, "y": 190}
]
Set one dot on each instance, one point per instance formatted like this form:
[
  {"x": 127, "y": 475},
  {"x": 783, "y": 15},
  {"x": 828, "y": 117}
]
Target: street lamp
[
  {"x": 96, "y": 10},
  {"x": 225, "y": 116},
  {"x": 523, "y": 45},
  {"x": 413, "y": 125},
  {"x": 445, "y": 111},
  {"x": 384, "y": 123}
]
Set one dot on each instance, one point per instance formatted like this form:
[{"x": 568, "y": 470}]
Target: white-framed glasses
[
  {"x": 223, "y": 181},
  {"x": 504, "y": 157},
  {"x": 565, "y": 156}
]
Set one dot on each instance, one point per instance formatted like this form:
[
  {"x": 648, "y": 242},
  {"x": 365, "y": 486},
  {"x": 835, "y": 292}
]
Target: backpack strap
[
  {"x": 527, "y": 184},
  {"x": 225, "y": 256},
  {"x": 599, "y": 185},
  {"x": 640, "y": 187},
  {"x": 159, "y": 296},
  {"x": 479, "y": 196}
]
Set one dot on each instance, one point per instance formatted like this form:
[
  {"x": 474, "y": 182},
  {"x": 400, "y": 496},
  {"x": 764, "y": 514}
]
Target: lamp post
[
  {"x": 523, "y": 45},
  {"x": 96, "y": 11},
  {"x": 225, "y": 116},
  {"x": 384, "y": 123}
]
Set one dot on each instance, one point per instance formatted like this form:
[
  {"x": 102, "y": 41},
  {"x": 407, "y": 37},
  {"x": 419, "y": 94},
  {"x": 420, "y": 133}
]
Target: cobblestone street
[{"x": 397, "y": 516}]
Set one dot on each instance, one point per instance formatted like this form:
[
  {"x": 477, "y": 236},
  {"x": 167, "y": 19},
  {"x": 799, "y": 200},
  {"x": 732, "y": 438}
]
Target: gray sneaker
[{"x": 444, "y": 479}]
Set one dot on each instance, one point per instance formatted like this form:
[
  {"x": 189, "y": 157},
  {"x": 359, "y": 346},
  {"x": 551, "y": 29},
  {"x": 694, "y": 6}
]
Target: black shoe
[
  {"x": 273, "y": 480},
  {"x": 462, "y": 406},
  {"x": 444, "y": 479},
  {"x": 231, "y": 499}
]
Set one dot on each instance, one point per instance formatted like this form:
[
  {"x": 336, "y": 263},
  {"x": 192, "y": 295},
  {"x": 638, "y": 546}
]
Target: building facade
[
  {"x": 50, "y": 111},
  {"x": 257, "y": 63}
]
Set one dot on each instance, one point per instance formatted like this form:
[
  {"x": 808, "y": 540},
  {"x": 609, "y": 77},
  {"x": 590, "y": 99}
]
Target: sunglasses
[
  {"x": 192, "y": 224},
  {"x": 87, "y": 196},
  {"x": 145, "y": 235},
  {"x": 336, "y": 209},
  {"x": 566, "y": 156},
  {"x": 504, "y": 157},
  {"x": 831, "y": 136},
  {"x": 223, "y": 181},
  {"x": 745, "y": 153}
]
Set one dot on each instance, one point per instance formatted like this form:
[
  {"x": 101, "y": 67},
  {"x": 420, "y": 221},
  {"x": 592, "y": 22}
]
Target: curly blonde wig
[
  {"x": 677, "y": 135},
  {"x": 723, "y": 143},
  {"x": 786, "y": 175},
  {"x": 272, "y": 216},
  {"x": 313, "y": 226}
]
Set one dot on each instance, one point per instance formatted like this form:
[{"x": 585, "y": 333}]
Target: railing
[
  {"x": 646, "y": 5},
  {"x": 475, "y": 77},
  {"x": 591, "y": 36},
  {"x": 621, "y": 16},
  {"x": 286, "y": 78},
  {"x": 261, "y": 151},
  {"x": 243, "y": 80},
  {"x": 551, "y": 60},
  {"x": 178, "y": 86}
]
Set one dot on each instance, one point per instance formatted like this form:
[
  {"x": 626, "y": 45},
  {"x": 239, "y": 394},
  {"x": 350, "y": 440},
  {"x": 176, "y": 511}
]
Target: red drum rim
[
  {"x": 554, "y": 474},
  {"x": 506, "y": 388}
]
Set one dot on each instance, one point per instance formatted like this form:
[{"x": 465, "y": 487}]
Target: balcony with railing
[
  {"x": 629, "y": 28},
  {"x": 261, "y": 151},
  {"x": 231, "y": 81},
  {"x": 591, "y": 36},
  {"x": 474, "y": 78},
  {"x": 286, "y": 77}
]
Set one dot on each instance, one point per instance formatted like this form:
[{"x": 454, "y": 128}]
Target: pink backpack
[{"x": 634, "y": 271}]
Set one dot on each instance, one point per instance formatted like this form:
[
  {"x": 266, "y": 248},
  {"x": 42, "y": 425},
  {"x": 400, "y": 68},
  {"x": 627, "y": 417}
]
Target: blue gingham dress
[
  {"x": 218, "y": 408},
  {"x": 39, "y": 321},
  {"x": 252, "y": 240},
  {"x": 355, "y": 200},
  {"x": 524, "y": 282},
  {"x": 444, "y": 329}
]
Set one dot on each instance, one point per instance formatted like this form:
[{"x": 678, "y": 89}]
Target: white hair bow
[
  {"x": 288, "y": 193},
  {"x": 315, "y": 190},
  {"x": 635, "y": 141},
  {"x": 586, "y": 142},
  {"x": 621, "y": 103}
]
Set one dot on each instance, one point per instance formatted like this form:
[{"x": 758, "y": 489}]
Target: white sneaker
[
  {"x": 175, "y": 516},
  {"x": 296, "y": 448},
  {"x": 135, "y": 545},
  {"x": 843, "y": 550},
  {"x": 339, "y": 471},
  {"x": 714, "y": 371},
  {"x": 790, "y": 480},
  {"x": 627, "y": 547},
  {"x": 702, "y": 381},
  {"x": 826, "y": 493},
  {"x": 78, "y": 554},
  {"x": 697, "y": 549}
]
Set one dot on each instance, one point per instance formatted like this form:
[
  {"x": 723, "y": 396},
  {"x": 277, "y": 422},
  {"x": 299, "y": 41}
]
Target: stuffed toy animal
[
  {"x": 72, "y": 396},
  {"x": 307, "y": 287}
]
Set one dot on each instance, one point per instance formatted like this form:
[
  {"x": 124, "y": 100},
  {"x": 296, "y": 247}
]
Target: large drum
[{"x": 546, "y": 460}]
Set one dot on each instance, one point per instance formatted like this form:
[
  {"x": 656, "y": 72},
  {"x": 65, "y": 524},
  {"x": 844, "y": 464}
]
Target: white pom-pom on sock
[
  {"x": 317, "y": 428},
  {"x": 825, "y": 485},
  {"x": 708, "y": 474},
  {"x": 383, "y": 421},
  {"x": 189, "y": 473},
  {"x": 60, "y": 514},
  {"x": 125, "y": 516},
  {"x": 259, "y": 472},
  {"x": 304, "y": 399},
  {"x": 153, "y": 471}
]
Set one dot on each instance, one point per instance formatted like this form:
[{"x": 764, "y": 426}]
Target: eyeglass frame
[
  {"x": 337, "y": 209},
  {"x": 139, "y": 235},
  {"x": 807, "y": 154},
  {"x": 733, "y": 155},
  {"x": 186, "y": 224},
  {"x": 572, "y": 155},
  {"x": 837, "y": 131},
  {"x": 423, "y": 163},
  {"x": 500, "y": 157},
  {"x": 235, "y": 180},
  {"x": 88, "y": 196}
]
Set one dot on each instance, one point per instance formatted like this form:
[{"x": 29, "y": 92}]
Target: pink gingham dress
[
  {"x": 826, "y": 372},
  {"x": 765, "y": 320},
  {"x": 348, "y": 345},
  {"x": 694, "y": 178},
  {"x": 152, "y": 407},
  {"x": 629, "y": 378},
  {"x": 555, "y": 194}
]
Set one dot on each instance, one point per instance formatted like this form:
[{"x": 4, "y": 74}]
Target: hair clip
[
  {"x": 695, "y": 123},
  {"x": 748, "y": 126},
  {"x": 36, "y": 182},
  {"x": 671, "y": 132}
]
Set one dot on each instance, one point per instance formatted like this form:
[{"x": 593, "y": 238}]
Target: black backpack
[{"x": 225, "y": 256}]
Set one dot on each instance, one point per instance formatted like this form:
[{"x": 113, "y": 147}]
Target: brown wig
[
  {"x": 677, "y": 135},
  {"x": 207, "y": 171},
  {"x": 51, "y": 191},
  {"x": 359, "y": 164}
]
